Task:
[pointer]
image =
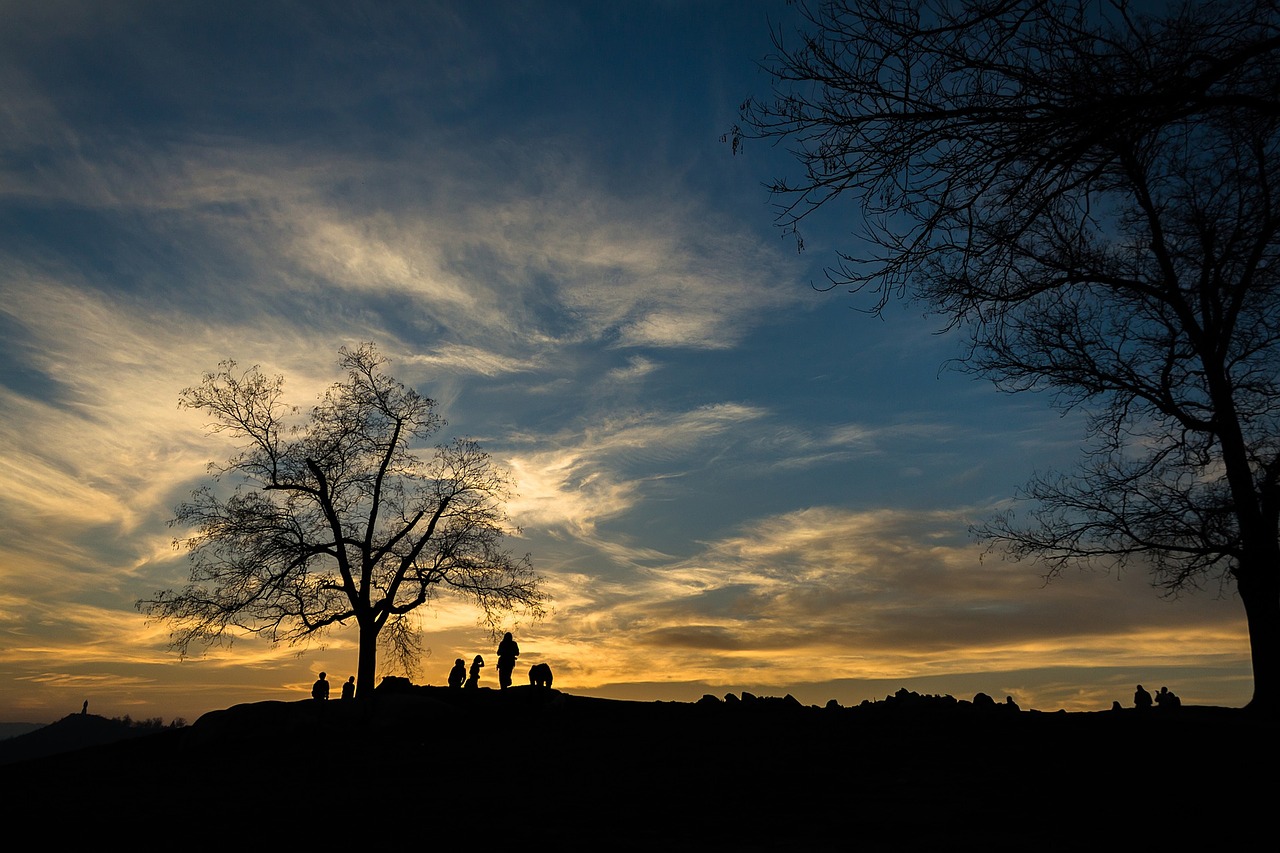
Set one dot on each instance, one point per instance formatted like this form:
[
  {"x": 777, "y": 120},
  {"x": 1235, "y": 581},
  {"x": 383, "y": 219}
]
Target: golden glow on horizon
[{"x": 812, "y": 597}]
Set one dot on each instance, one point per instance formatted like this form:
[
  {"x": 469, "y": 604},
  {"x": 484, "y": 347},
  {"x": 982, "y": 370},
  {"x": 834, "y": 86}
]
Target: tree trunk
[
  {"x": 367, "y": 666},
  {"x": 1258, "y": 570},
  {"x": 1260, "y": 593}
]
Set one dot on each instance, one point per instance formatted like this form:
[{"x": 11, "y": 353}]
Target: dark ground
[{"x": 427, "y": 766}]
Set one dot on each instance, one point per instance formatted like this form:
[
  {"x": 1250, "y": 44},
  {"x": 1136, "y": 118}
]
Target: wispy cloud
[
  {"x": 826, "y": 593},
  {"x": 575, "y": 480}
]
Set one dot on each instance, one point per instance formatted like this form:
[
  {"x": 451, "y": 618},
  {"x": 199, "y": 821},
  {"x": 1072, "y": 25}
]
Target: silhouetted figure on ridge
[
  {"x": 508, "y": 651},
  {"x": 458, "y": 674},
  {"x": 84, "y": 709},
  {"x": 1167, "y": 699},
  {"x": 540, "y": 675},
  {"x": 474, "y": 680},
  {"x": 320, "y": 690},
  {"x": 1141, "y": 699},
  {"x": 349, "y": 688}
]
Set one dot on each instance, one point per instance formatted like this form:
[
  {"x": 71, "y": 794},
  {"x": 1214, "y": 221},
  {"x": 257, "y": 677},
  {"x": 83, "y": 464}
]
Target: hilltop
[
  {"x": 740, "y": 773},
  {"x": 71, "y": 733}
]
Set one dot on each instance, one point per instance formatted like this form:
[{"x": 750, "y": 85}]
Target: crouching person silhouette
[
  {"x": 540, "y": 675},
  {"x": 458, "y": 674}
]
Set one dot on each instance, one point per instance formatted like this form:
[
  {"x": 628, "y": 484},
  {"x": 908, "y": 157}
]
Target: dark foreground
[{"x": 426, "y": 767}]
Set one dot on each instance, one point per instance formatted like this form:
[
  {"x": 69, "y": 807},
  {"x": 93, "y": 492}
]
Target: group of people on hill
[
  {"x": 1164, "y": 698},
  {"x": 508, "y": 651},
  {"x": 320, "y": 690}
]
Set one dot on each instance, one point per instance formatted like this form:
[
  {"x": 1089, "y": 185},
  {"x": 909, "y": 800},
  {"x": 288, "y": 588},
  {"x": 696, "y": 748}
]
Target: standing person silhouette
[
  {"x": 508, "y": 651},
  {"x": 474, "y": 680},
  {"x": 320, "y": 690},
  {"x": 349, "y": 688}
]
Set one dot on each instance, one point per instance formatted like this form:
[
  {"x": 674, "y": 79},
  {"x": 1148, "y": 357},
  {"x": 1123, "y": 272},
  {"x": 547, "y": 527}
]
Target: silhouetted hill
[
  {"x": 484, "y": 767},
  {"x": 73, "y": 732}
]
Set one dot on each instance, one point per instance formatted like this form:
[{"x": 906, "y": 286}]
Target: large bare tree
[
  {"x": 334, "y": 517},
  {"x": 1090, "y": 190}
]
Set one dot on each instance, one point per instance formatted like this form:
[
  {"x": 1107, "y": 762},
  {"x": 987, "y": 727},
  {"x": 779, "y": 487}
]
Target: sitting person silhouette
[
  {"x": 458, "y": 674},
  {"x": 320, "y": 690},
  {"x": 1141, "y": 699},
  {"x": 474, "y": 680},
  {"x": 1167, "y": 699},
  {"x": 349, "y": 688},
  {"x": 540, "y": 675}
]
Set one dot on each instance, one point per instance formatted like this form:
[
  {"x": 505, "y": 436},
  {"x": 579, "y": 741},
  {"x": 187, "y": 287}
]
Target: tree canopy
[
  {"x": 334, "y": 516},
  {"x": 1089, "y": 191}
]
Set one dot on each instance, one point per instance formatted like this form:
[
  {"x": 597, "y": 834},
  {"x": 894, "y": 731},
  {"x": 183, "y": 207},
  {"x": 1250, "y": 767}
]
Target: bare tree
[
  {"x": 1091, "y": 193},
  {"x": 335, "y": 518}
]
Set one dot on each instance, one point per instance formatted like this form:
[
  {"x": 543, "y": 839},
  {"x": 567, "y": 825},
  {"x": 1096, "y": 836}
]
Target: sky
[{"x": 729, "y": 478}]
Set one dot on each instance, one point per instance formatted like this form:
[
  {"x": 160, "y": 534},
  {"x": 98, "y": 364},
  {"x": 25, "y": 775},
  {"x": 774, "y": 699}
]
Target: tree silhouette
[
  {"x": 1091, "y": 193},
  {"x": 334, "y": 517}
]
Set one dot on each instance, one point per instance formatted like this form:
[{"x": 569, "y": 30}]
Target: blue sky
[{"x": 729, "y": 479}]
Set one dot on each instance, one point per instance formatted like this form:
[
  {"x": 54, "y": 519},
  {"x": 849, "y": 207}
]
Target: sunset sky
[{"x": 729, "y": 479}]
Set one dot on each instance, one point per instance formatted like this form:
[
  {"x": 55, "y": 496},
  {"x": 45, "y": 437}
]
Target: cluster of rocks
[
  {"x": 730, "y": 699},
  {"x": 903, "y": 700},
  {"x": 908, "y": 699}
]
